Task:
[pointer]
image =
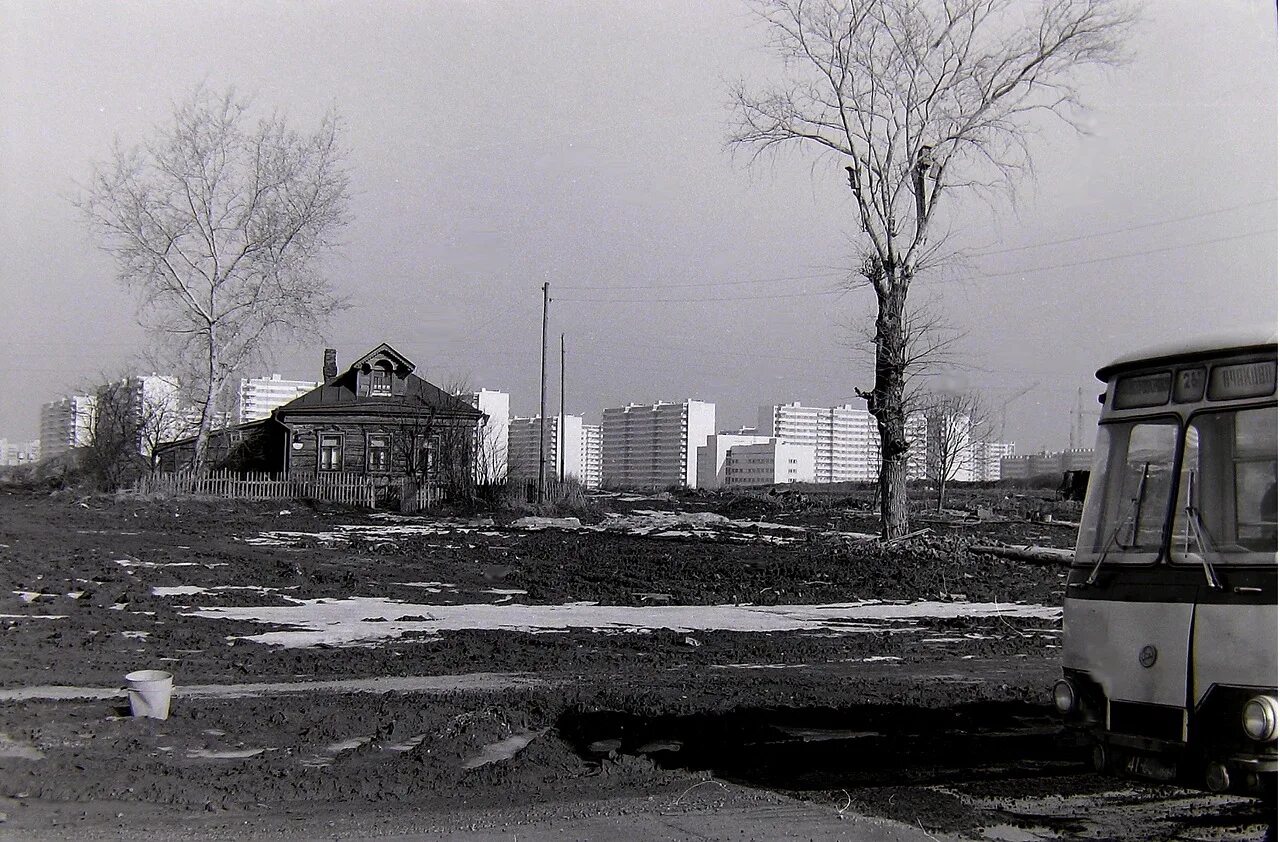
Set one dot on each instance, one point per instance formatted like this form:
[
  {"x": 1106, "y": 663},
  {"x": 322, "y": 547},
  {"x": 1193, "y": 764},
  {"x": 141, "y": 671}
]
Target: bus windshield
[
  {"x": 1226, "y": 508},
  {"x": 1125, "y": 516}
]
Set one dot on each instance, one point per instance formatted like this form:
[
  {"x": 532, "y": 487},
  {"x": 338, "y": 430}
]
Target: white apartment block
[
  {"x": 949, "y": 449},
  {"x": 260, "y": 395},
  {"x": 987, "y": 456},
  {"x": 768, "y": 463},
  {"x": 655, "y": 445},
  {"x": 563, "y": 445},
  {"x": 493, "y": 445},
  {"x": 845, "y": 439},
  {"x": 592, "y": 455},
  {"x": 712, "y": 456},
  {"x": 153, "y": 405},
  {"x": 66, "y": 423}
]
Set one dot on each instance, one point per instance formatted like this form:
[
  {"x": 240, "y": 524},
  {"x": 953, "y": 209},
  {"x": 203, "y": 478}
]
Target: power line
[
  {"x": 838, "y": 273},
  {"x": 1140, "y": 227},
  {"x": 1143, "y": 253},
  {"x": 694, "y": 300},
  {"x": 823, "y": 275},
  {"x": 984, "y": 276}
]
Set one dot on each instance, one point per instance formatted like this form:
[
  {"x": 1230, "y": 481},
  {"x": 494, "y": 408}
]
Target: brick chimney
[{"x": 330, "y": 364}]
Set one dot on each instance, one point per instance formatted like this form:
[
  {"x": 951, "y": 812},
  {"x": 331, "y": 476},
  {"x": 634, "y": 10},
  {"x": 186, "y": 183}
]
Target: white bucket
[{"x": 149, "y": 692}]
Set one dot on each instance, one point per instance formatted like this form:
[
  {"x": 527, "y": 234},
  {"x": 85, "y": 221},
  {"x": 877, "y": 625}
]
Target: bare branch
[{"x": 218, "y": 224}]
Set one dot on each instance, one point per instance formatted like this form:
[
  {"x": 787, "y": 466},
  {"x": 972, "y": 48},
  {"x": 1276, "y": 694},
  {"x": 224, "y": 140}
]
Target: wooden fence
[{"x": 372, "y": 492}]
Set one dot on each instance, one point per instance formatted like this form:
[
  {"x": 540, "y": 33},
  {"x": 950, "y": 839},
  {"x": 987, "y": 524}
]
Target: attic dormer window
[{"x": 380, "y": 381}]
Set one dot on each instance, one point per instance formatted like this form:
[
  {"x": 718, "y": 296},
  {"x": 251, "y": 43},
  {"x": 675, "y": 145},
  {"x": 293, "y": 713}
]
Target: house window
[
  {"x": 330, "y": 453},
  {"x": 379, "y": 452},
  {"x": 380, "y": 382}
]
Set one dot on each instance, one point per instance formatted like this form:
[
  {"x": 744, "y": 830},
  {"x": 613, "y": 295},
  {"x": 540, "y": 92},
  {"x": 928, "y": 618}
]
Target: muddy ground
[{"x": 945, "y": 708}]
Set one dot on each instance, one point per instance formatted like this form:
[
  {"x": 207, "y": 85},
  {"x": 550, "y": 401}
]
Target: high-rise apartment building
[
  {"x": 492, "y": 450},
  {"x": 66, "y": 423},
  {"x": 149, "y": 407},
  {"x": 592, "y": 455},
  {"x": 655, "y": 445},
  {"x": 987, "y": 456},
  {"x": 563, "y": 446},
  {"x": 949, "y": 452},
  {"x": 845, "y": 439},
  {"x": 260, "y": 395}
]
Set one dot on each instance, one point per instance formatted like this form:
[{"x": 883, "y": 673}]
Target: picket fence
[{"x": 349, "y": 489}]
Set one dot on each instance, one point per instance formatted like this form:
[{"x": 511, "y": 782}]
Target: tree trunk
[
  {"x": 942, "y": 493},
  {"x": 886, "y": 401},
  {"x": 207, "y": 411}
]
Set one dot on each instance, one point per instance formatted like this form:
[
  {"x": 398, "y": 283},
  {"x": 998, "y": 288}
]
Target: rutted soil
[{"x": 92, "y": 589}]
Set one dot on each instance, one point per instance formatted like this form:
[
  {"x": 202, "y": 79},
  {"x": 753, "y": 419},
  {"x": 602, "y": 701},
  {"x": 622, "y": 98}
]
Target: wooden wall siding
[{"x": 355, "y": 445}]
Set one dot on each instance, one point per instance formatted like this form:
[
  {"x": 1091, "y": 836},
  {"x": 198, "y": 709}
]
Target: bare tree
[
  {"x": 218, "y": 224},
  {"x": 958, "y": 425},
  {"x": 920, "y": 99},
  {"x": 431, "y": 447}
]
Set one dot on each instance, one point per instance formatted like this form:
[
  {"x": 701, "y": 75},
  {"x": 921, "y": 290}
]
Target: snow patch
[{"x": 363, "y": 621}]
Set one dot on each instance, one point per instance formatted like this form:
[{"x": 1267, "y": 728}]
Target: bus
[{"x": 1169, "y": 617}]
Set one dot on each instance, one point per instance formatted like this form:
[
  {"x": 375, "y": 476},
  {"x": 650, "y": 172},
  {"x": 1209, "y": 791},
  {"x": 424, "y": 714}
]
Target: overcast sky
[{"x": 498, "y": 146}]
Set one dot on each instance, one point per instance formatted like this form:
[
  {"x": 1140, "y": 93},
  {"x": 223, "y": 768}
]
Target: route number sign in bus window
[
  {"x": 1189, "y": 385},
  {"x": 1243, "y": 380},
  {"x": 1142, "y": 390}
]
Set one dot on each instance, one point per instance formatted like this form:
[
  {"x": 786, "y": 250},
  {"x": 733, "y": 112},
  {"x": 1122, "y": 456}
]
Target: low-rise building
[
  {"x": 768, "y": 463},
  {"x": 712, "y": 456},
  {"x": 1046, "y": 463},
  {"x": 19, "y": 452},
  {"x": 376, "y": 419}
]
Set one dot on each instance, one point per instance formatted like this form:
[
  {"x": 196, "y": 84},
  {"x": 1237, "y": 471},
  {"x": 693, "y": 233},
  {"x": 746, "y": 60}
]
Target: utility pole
[
  {"x": 542, "y": 416},
  {"x": 560, "y": 423}
]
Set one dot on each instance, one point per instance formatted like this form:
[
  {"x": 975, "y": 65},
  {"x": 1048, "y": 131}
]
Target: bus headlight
[
  {"x": 1259, "y": 718},
  {"x": 1064, "y": 697}
]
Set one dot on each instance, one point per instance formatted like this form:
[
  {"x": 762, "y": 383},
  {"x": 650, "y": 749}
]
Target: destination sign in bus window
[
  {"x": 1142, "y": 390},
  {"x": 1188, "y": 387},
  {"x": 1242, "y": 380}
]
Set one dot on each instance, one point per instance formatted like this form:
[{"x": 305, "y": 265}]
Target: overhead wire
[
  {"x": 982, "y": 276},
  {"x": 834, "y": 273},
  {"x": 1125, "y": 229}
]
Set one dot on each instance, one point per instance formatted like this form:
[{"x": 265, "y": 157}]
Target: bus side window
[{"x": 1254, "y": 459}]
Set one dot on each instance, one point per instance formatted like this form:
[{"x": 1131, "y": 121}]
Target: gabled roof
[
  {"x": 419, "y": 396},
  {"x": 384, "y": 350},
  {"x": 340, "y": 395}
]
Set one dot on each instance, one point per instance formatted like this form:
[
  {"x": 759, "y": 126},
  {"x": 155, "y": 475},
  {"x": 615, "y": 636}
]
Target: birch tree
[
  {"x": 919, "y": 100},
  {"x": 218, "y": 224}
]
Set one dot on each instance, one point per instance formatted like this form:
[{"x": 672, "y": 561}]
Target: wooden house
[{"x": 376, "y": 418}]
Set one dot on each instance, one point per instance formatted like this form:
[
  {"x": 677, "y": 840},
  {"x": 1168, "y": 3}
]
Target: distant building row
[
  {"x": 1046, "y": 464},
  {"x": 659, "y": 445}
]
